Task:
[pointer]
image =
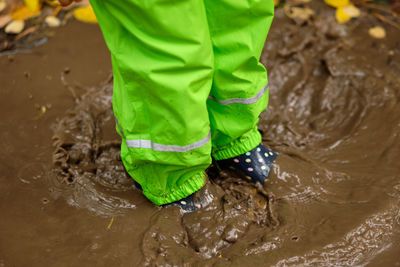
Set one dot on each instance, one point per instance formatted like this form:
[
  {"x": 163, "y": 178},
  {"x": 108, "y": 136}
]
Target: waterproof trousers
[{"x": 188, "y": 85}]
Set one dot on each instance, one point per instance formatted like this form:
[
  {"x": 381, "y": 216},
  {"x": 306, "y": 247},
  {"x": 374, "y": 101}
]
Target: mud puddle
[{"x": 333, "y": 197}]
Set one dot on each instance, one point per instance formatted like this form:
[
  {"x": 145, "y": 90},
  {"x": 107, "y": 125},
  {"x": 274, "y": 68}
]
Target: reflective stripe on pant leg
[
  {"x": 239, "y": 94},
  {"x": 163, "y": 66},
  {"x": 245, "y": 101}
]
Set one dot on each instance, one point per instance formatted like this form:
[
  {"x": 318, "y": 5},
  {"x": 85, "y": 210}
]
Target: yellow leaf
[
  {"x": 276, "y": 2},
  {"x": 52, "y": 2},
  {"x": 377, "y": 32},
  {"x": 33, "y": 5},
  {"x": 342, "y": 16},
  {"x": 24, "y": 13},
  {"x": 337, "y": 3},
  {"x": 352, "y": 11},
  {"x": 85, "y": 14}
]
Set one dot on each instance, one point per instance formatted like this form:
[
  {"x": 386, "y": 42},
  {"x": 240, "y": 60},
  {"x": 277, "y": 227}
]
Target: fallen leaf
[
  {"x": 352, "y": 11},
  {"x": 377, "y": 32},
  {"x": 24, "y": 13},
  {"x": 4, "y": 20},
  {"x": 341, "y": 16},
  {"x": 41, "y": 113},
  {"x": 344, "y": 14},
  {"x": 33, "y": 5},
  {"x": 337, "y": 3},
  {"x": 3, "y": 5},
  {"x": 52, "y": 2},
  {"x": 85, "y": 14},
  {"x": 15, "y": 27},
  {"x": 298, "y": 12},
  {"x": 52, "y": 21}
]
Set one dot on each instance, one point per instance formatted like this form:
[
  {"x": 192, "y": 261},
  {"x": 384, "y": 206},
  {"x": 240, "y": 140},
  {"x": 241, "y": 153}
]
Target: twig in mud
[
  {"x": 68, "y": 178},
  {"x": 261, "y": 190},
  {"x": 26, "y": 32},
  {"x": 41, "y": 113},
  {"x": 71, "y": 178},
  {"x": 109, "y": 79},
  {"x": 376, "y": 7},
  {"x": 385, "y": 19},
  {"x": 270, "y": 202},
  {"x": 110, "y": 223},
  {"x": 57, "y": 10},
  {"x": 60, "y": 156},
  {"x": 69, "y": 87},
  {"x": 274, "y": 218}
]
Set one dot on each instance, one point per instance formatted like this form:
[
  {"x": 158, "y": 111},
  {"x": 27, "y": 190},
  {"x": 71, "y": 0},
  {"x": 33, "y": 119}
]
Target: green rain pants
[{"x": 188, "y": 84}]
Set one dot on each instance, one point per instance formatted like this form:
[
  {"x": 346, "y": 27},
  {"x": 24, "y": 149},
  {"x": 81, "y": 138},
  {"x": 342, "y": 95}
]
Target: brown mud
[{"x": 334, "y": 193}]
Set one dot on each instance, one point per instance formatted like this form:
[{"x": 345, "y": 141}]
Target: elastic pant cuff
[
  {"x": 189, "y": 187},
  {"x": 239, "y": 146}
]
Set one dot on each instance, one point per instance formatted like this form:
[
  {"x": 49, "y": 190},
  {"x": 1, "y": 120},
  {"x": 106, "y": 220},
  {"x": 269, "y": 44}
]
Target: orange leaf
[{"x": 24, "y": 13}]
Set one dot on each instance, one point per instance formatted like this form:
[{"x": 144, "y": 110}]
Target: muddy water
[{"x": 333, "y": 197}]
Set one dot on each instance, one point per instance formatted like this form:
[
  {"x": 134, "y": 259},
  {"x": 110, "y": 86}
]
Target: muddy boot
[
  {"x": 186, "y": 205},
  {"x": 254, "y": 165}
]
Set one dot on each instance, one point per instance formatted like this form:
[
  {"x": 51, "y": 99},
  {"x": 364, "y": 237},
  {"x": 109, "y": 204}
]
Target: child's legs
[
  {"x": 239, "y": 93},
  {"x": 163, "y": 66}
]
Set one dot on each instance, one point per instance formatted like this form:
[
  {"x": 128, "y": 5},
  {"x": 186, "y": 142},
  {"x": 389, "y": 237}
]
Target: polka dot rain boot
[
  {"x": 254, "y": 165},
  {"x": 186, "y": 204}
]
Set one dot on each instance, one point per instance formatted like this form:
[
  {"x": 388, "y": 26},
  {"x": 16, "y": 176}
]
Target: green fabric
[{"x": 183, "y": 69}]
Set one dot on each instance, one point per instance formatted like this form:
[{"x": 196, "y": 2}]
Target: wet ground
[{"x": 333, "y": 197}]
